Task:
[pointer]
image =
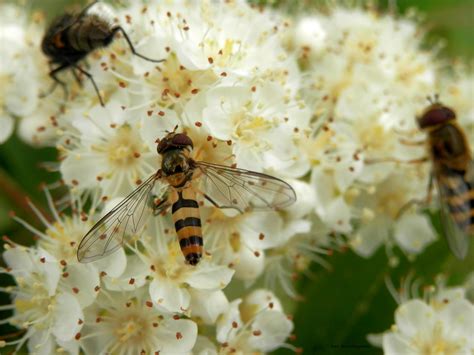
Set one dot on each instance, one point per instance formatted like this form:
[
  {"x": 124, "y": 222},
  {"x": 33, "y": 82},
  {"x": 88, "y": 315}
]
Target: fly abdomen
[
  {"x": 459, "y": 197},
  {"x": 187, "y": 222}
]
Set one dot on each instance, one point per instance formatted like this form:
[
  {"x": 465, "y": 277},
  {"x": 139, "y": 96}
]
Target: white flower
[
  {"x": 260, "y": 122},
  {"x": 441, "y": 322},
  {"x": 45, "y": 303},
  {"x": 255, "y": 324},
  {"x": 421, "y": 329},
  {"x": 124, "y": 323},
  {"x": 171, "y": 282},
  {"x": 108, "y": 153},
  {"x": 367, "y": 79},
  {"x": 18, "y": 72}
]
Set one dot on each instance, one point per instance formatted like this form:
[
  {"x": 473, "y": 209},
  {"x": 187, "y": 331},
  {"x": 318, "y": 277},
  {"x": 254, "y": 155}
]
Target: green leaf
[{"x": 342, "y": 306}]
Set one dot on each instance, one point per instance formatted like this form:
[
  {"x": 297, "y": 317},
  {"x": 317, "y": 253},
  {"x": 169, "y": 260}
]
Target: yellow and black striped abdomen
[
  {"x": 187, "y": 223},
  {"x": 458, "y": 194}
]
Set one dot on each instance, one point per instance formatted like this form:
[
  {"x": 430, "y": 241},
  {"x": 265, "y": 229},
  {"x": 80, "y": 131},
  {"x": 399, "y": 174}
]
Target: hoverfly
[
  {"x": 72, "y": 36},
  {"x": 453, "y": 171},
  {"x": 222, "y": 186}
]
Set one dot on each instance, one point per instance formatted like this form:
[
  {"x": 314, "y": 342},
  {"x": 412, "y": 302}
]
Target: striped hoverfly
[
  {"x": 71, "y": 37},
  {"x": 453, "y": 171},
  {"x": 222, "y": 186}
]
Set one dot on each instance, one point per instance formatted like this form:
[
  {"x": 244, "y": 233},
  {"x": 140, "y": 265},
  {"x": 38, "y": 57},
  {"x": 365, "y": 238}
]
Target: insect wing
[
  {"x": 243, "y": 190},
  {"x": 121, "y": 223},
  {"x": 455, "y": 201}
]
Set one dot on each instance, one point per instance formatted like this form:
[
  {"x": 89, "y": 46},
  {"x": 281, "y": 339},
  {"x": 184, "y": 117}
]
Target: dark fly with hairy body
[{"x": 71, "y": 37}]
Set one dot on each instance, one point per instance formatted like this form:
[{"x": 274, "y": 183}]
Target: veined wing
[
  {"x": 243, "y": 190},
  {"x": 121, "y": 223},
  {"x": 457, "y": 206}
]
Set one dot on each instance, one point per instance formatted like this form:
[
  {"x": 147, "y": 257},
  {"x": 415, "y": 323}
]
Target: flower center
[
  {"x": 64, "y": 238},
  {"x": 130, "y": 328},
  {"x": 124, "y": 149}
]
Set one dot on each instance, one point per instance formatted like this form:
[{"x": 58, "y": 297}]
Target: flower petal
[
  {"x": 208, "y": 305},
  {"x": 207, "y": 276},
  {"x": 67, "y": 313},
  {"x": 84, "y": 278},
  {"x": 414, "y": 232},
  {"x": 414, "y": 316},
  {"x": 176, "y": 336},
  {"x": 270, "y": 329},
  {"x": 169, "y": 296}
]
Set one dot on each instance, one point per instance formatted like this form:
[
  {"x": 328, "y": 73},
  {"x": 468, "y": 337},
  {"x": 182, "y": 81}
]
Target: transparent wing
[
  {"x": 243, "y": 190},
  {"x": 456, "y": 220},
  {"x": 121, "y": 223}
]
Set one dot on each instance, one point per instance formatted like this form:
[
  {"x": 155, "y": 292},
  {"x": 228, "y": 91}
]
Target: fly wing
[
  {"x": 123, "y": 222},
  {"x": 457, "y": 204},
  {"x": 243, "y": 190}
]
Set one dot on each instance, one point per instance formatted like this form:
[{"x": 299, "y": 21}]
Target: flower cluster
[
  {"x": 366, "y": 78},
  {"x": 325, "y": 102},
  {"x": 440, "y": 322}
]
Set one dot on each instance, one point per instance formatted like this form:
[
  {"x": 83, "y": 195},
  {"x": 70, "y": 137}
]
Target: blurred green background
[{"x": 341, "y": 306}]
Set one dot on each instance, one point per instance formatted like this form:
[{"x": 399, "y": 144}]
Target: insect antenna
[{"x": 132, "y": 48}]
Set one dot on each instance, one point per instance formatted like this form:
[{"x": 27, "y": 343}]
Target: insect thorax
[
  {"x": 175, "y": 161},
  {"x": 448, "y": 143}
]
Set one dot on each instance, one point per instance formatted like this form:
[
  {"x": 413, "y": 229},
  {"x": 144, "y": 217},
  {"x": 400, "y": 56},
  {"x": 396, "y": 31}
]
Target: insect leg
[
  {"x": 84, "y": 10},
  {"x": 78, "y": 80},
  {"x": 57, "y": 81},
  {"x": 412, "y": 143},
  {"x": 421, "y": 202},
  {"x": 160, "y": 207},
  {"x": 132, "y": 48},
  {"x": 91, "y": 78},
  {"x": 394, "y": 160}
]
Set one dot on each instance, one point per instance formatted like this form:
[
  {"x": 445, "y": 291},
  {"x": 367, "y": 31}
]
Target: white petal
[
  {"x": 269, "y": 225},
  {"x": 395, "y": 344},
  {"x": 414, "y": 317},
  {"x": 207, "y": 276},
  {"x": 136, "y": 270},
  {"x": 114, "y": 265},
  {"x": 41, "y": 343},
  {"x": 338, "y": 215},
  {"x": 272, "y": 327},
  {"x": 176, "y": 336},
  {"x": 19, "y": 260},
  {"x": 169, "y": 296},
  {"x": 458, "y": 321},
  {"x": 414, "y": 232},
  {"x": 259, "y": 300},
  {"x": 6, "y": 124},
  {"x": 71, "y": 346},
  {"x": 204, "y": 346},
  {"x": 84, "y": 170},
  {"x": 225, "y": 329},
  {"x": 249, "y": 265},
  {"x": 85, "y": 278},
  {"x": 22, "y": 97},
  {"x": 208, "y": 305},
  {"x": 376, "y": 339},
  {"x": 371, "y": 236},
  {"x": 310, "y": 33},
  {"x": 67, "y": 313}
]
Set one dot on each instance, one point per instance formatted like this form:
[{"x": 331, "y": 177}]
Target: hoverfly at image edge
[{"x": 453, "y": 171}]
